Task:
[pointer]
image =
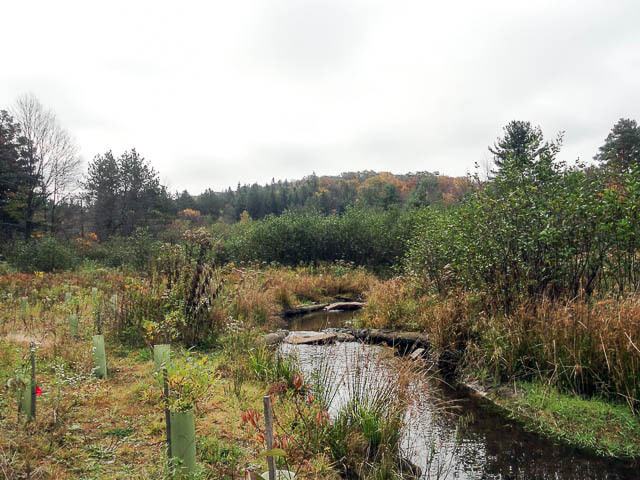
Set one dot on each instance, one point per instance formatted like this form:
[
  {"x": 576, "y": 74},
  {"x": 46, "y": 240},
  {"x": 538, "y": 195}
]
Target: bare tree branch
[{"x": 53, "y": 158}]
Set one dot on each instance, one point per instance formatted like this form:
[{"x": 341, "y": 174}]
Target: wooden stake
[
  {"x": 32, "y": 348},
  {"x": 268, "y": 424}
]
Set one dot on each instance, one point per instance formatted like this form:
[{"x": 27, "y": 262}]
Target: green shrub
[
  {"x": 44, "y": 255},
  {"x": 222, "y": 457},
  {"x": 269, "y": 366},
  {"x": 542, "y": 229},
  {"x": 364, "y": 236},
  {"x": 136, "y": 251}
]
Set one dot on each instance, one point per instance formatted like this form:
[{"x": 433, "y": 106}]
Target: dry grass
[
  {"x": 257, "y": 295},
  {"x": 398, "y": 304},
  {"x": 390, "y": 305},
  {"x": 114, "y": 428},
  {"x": 84, "y": 425},
  {"x": 314, "y": 285},
  {"x": 590, "y": 348}
]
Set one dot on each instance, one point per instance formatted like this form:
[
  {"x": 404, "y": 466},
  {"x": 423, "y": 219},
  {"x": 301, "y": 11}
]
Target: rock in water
[
  {"x": 417, "y": 353},
  {"x": 275, "y": 338}
]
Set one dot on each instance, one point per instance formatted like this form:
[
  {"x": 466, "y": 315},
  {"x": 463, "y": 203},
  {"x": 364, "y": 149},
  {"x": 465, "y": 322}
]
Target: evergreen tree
[
  {"x": 621, "y": 149},
  {"x": 521, "y": 144},
  {"x": 126, "y": 193},
  {"x": 14, "y": 172},
  {"x": 103, "y": 188}
]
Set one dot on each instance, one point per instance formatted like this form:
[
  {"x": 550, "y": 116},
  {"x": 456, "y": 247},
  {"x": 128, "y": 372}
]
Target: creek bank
[
  {"x": 593, "y": 426},
  {"x": 501, "y": 400}
]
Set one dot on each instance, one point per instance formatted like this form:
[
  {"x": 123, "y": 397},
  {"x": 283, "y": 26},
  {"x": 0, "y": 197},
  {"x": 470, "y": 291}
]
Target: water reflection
[
  {"x": 450, "y": 436},
  {"x": 320, "y": 320}
]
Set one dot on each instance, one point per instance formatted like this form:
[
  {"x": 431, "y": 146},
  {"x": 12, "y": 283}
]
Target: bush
[
  {"x": 543, "y": 230},
  {"x": 364, "y": 236},
  {"x": 174, "y": 304},
  {"x": 136, "y": 251},
  {"x": 43, "y": 255}
]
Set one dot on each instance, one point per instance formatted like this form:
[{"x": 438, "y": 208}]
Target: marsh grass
[
  {"x": 367, "y": 403},
  {"x": 113, "y": 428},
  {"x": 587, "y": 347},
  {"x": 271, "y": 366}
]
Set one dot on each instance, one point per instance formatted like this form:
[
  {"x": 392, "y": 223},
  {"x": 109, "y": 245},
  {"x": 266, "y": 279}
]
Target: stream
[{"x": 447, "y": 434}]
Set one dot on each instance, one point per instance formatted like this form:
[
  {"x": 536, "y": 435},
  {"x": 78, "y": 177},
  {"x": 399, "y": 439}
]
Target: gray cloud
[
  {"x": 309, "y": 36},
  {"x": 223, "y": 92}
]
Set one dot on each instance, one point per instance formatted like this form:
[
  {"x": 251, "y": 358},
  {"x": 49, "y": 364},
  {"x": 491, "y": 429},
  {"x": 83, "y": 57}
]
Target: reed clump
[
  {"x": 586, "y": 346},
  {"x": 368, "y": 403}
]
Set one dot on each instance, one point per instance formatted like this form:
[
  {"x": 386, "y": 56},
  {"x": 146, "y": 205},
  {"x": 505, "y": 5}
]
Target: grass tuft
[{"x": 591, "y": 424}]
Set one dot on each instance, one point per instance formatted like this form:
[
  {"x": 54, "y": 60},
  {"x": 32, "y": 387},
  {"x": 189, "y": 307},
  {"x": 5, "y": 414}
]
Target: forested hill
[
  {"x": 328, "y": 194},
  {"x": 45, "y": 189}
]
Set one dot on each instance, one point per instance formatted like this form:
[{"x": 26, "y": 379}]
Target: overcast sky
[{"x": 219, "y": 92}]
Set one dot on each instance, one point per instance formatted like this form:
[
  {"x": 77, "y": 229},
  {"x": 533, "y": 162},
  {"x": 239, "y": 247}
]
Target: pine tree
[{"x": 621, "y": 149}]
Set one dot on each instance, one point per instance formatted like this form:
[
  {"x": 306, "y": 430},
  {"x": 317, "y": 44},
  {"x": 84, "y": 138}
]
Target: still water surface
[{"x": 449, "y": 435}]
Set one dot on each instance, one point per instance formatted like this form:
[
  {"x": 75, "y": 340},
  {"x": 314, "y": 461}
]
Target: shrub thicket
[
  {"x": 545, "y": 257},
  {"x": 366, "y": 237},
  {"x": 43, "y": 255},
  {"x": 537, "y": 230}
]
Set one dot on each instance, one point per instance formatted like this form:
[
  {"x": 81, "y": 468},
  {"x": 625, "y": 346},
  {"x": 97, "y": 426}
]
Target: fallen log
[
  {"x": 343, "y": 306},
  {"x": 403, "y": 341},
  {"x": 303, "y": 309}
]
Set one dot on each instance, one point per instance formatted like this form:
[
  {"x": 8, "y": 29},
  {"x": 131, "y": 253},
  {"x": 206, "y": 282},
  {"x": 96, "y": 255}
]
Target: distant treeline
[
  {"x": 123, "y": 194},
  {"x": 328, "y": 194},
  {"x": 44, "y": 191},
  {"x": 535, "y": 226}
]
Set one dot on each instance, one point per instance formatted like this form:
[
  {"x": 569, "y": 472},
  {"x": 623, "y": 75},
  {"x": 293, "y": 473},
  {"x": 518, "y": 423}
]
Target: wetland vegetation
[{"x": 525, "y": 282}]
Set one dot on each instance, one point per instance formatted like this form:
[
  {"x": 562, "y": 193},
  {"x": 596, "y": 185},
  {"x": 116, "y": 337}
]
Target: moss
[{"x": 593, "y": 424}]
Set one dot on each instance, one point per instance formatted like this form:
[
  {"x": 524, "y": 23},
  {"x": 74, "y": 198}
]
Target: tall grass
[
  {"x": 586, "y": 347},
  {"x": 256, "y": 295},
  {"x": 368, "y": 403}
]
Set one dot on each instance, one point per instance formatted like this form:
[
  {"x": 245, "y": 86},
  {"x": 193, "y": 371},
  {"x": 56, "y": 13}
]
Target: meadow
[{"x": 114, "y": 427}]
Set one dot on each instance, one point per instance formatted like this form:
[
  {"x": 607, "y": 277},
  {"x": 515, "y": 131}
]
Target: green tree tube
[
  {"x": 73, "y": 324},
  {"x": 183, "y": 440},
  {"x": 161, "y": 356},
  {"x": 99, "y": 357},
  {"x": 25, "y": 398}
]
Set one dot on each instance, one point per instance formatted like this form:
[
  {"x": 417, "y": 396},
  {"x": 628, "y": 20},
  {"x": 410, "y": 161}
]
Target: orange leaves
[
  {"x": 298, "y": 382},
  {"x": 251, "y": 417}
]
